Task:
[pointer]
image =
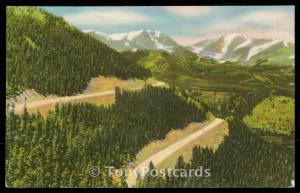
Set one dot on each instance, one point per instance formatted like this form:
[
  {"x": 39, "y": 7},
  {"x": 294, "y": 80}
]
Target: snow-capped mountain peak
[
  {"x": 137, "y": 40},
  {"x": 239, "y": 47},
  {"x": 229, "y": 47},
  {"x": 97, "y": 33},
  {"x": 153, "y": 34},
  {"x": 260, "y": 48},
  {"x": 244, "y": 44},
  {"x": 134, "y": 34},
  {"x": 94, "y": 31},
  {"x": 118, "y": 36},
  {"x": 232, "y": 38}
]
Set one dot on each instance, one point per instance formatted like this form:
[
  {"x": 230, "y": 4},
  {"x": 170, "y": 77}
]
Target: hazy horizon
[{"x": 185, "y": 24}]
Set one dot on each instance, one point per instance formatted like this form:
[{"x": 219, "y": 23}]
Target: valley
[{"x": 79, "y": 98}]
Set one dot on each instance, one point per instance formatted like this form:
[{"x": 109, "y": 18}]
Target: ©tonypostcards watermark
[{"x": 199, "y": 172}]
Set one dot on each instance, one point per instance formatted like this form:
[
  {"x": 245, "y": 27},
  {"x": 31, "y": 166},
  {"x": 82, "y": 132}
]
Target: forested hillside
[
  {"x": 191, "y": 73},
  {"x": 244, "y": 159},
  {"x": 162, "y": 63},
  {"x": 59, "y": 150},
  {"x": 46, "y": 54}
]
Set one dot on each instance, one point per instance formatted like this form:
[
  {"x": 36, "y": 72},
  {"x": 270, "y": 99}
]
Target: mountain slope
[
  {"x": 50, "y": 151},
  {"x": 194, "y": 73},
  {"x": 136, "y": 40},
  {"x": 163, "y": 65},
  {"x": 46, "y": 54},
  {"x": 238, "y": 47}
]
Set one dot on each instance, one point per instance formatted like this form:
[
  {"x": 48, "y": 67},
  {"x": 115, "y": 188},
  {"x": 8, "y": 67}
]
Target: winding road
[
  {"x": 156, "y": 158},
  {"x": 165, "y": 153},
  {"x": 75, "y": 98}
]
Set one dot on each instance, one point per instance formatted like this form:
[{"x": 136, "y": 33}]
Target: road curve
[
  {"x": 40, "y": 103},
  {"x": 163, "y": 154}
]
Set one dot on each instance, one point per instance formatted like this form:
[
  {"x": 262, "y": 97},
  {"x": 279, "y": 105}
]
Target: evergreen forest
[{"x": 45, "y": 53}]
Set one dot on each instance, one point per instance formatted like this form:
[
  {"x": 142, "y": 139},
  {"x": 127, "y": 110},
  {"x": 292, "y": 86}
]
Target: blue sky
[{"x": 186, "y": 24}]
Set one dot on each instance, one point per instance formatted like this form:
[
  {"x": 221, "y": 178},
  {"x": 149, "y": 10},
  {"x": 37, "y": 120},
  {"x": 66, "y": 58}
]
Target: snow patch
[
  {"x": 154, "y": 33},
  {"x": 257, "y": 49},
  {"x": 163, "y": 47},
  {"x": 118, "y": 36},
  {"x": 218, "y": 56},
  {"x": 94, "y": 31},
  {"x": 127, "y": 39},
  {"x": 133, "y": 34},
  {"x": 88, "y": 30},
  {"x": 127, "y": 43},
  {"x": 197, "y": 50},
  {"x": 100, "y": 33},
  {"x": 228, "y": 39},
  {"x": 244, "y": 44}
]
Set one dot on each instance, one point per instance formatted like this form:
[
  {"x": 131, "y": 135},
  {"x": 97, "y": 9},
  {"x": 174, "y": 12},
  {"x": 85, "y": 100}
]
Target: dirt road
[
  {"x": 75, "y": 98},
  {"x": 163, "y": 154}
]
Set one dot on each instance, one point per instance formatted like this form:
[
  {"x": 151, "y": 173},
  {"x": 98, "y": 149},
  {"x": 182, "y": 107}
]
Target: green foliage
[
  {"x": 48, "y": 55},
  {"x": 280, "y": 56},
  {"x": 163, "y": 65},
  {"x": 274, "y": 114},
  {"x": 244, "y": 159},
  {"x": 193, "y": 73},
  {"x": 59, "y": 150},
  {"x": 33, "y": 12}
]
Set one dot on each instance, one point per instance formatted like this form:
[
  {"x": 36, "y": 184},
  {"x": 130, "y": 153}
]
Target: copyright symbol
[{"x": 94, "y": 171}]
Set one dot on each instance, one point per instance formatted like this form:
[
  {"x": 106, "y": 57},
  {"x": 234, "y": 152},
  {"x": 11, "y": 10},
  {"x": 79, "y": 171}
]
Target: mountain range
[
  {"x": 239, "y": 47},
  {"x": 136, "y": 40},
  {"x": 232, "y": 47}
]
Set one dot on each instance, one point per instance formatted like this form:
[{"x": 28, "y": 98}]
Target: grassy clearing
[
  {"x": 274, "y": 114},
  {"x": 102, "y": 83},
  {"x": 211, "y": 98}
]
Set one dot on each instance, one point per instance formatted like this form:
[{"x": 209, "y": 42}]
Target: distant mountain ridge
[
  {"x": 239, "y": 47},
  {"x": 232, "y": 47},
  {"x": 136, "y": 40}
]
